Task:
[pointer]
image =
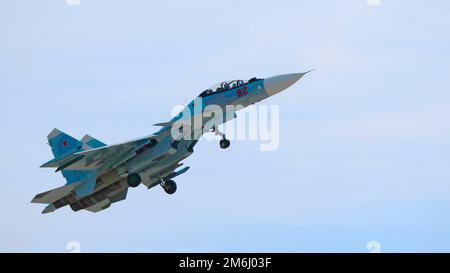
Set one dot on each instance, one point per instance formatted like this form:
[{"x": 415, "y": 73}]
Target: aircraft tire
[
  {"x": 170, "y": 187},
  {"x": 224, "y": 143},
  {"x": 134, "y": 180}
]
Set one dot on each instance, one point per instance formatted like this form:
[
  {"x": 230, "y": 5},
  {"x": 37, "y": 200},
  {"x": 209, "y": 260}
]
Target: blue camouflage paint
[
  {"x": 63, "y": 145},
  {"x": 88, "y": 185},
  {"x": 95, "y": 143}
]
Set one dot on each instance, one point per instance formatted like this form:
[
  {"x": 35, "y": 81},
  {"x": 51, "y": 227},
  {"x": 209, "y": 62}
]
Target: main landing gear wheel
[
  {"x": 169, "y": 186},
  {"x": 224, "y": 143},
  {"x": 134, "y": 180}
]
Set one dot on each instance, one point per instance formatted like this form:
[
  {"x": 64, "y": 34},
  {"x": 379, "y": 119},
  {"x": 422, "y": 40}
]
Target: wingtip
[
  {"x": 163, "y": 124},
  {"x": 48, "y": 209},
  {"x": 50, "y": 164},
  {"x": 311, "y": 70}
]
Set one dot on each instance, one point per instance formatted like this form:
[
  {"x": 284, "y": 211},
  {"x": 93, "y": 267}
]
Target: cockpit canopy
[{"x": 227, "y": 85}]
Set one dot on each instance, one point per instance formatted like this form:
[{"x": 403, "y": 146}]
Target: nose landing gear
[{"x": 224, "y": 142}]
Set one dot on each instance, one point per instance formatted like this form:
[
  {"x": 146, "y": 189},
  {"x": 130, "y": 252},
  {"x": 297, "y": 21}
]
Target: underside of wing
[
  {"x": 51, "y": 196},
  {"x": 99, "y": 206},
  {"x": 106, "y": 203}
]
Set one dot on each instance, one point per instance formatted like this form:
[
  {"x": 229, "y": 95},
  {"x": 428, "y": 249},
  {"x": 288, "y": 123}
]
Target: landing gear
[
  {"x": 224, "y": 142},
  {"x": 134, "y": 180},
  {"x": 169, "y": 186}
]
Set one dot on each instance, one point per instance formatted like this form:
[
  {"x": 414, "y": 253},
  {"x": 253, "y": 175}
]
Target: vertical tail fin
[
  {"x": 92, "y": 142},
  {"x": 62, "y": 144}
]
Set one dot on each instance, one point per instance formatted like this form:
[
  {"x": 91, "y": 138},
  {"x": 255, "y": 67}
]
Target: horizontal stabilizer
[{"x": 51, "y": 196}]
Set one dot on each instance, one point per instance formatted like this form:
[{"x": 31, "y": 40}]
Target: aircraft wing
[
  {"x": 51, "y": 196},
  {"x": 111, "y": 156},
  {"x": 104, "y": 204},
  {"x": 106, "y": 156}
]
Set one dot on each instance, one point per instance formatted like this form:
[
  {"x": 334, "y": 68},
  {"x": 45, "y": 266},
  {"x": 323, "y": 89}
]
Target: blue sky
[{"x": 364, "y": 140}]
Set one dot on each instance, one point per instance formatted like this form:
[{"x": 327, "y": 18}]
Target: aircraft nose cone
[{"x": 278, "y": 83}]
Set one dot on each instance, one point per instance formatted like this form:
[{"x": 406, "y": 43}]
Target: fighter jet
[{"x": 98, "y": 174}]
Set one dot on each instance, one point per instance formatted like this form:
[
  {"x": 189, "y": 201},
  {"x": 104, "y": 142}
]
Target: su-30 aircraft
[{"x": 98, "y": 174}]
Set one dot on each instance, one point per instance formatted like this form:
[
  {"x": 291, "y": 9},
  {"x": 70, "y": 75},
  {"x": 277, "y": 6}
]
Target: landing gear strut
[
  {"x": 224, "y": 142},
  {"x": 169, "y": 186}
]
